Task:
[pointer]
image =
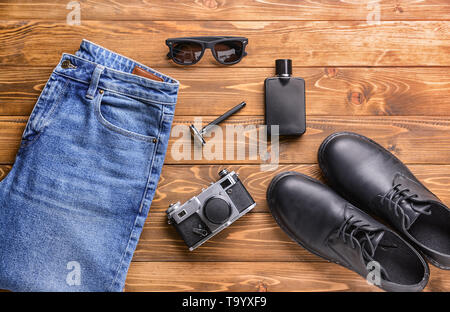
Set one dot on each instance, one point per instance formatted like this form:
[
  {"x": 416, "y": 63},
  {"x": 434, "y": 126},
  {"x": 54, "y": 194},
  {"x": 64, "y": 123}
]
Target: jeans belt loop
[{"x": 94, "y": 81}]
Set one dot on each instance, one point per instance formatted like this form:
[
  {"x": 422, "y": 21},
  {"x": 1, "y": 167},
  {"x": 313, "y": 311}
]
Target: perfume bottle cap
[{"x": 283, "y": 67}]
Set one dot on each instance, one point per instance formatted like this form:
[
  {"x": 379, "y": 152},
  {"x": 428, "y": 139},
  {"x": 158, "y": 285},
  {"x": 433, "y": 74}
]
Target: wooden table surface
[{"x": 386, "y": 80}]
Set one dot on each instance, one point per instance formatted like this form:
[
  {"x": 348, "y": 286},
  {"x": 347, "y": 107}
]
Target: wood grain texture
[
  {"x": 256, "y": 233},
  {"x": 387, "y": 81},
  {"x": 327, "y": 43},
  {"x": 254, "y": 237},
  {"x": 4, "y": 170},
  {"x": 329, "y": 90},
  {"x": 229, "y": 10},
  {"x": 11, "y": 129},
  {"x": 412, "y": 139},
  {"x": 181, "y": 182},
  {"x": 254, "y": 276}
]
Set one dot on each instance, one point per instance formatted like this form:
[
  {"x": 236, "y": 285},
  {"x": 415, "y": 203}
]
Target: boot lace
[
  {"x": 354, "y": 231},
  {"x": 395, "y": 196}
]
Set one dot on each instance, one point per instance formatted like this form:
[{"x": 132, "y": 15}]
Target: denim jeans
[{"x": 73, "y": 206}]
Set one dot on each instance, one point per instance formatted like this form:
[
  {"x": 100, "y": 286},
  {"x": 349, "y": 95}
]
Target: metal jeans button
[{"x": 67, "y": 64}]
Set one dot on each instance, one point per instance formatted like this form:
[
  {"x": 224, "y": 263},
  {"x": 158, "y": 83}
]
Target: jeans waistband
[{"x": 113, "y": 72}]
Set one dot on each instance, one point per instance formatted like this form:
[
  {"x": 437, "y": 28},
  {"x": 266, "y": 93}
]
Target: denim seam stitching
[
  {"x": 150, "y": 81},
  {"x": 175, "y": 82},
  {"x": 115, "y": 128},
  {"x": 138, "y": 97},
  {"x": 144, "y": 196},
  {"x": 119, "y": 266},
  {"x": 32, "y": 112},
  {"x": 46, "y": 120},
  {"x": 152, "y": 163},
  {"x": 70, "y": 77},
  {"x": 44, "y": 92},
  {"x": 118, "y": 92}
]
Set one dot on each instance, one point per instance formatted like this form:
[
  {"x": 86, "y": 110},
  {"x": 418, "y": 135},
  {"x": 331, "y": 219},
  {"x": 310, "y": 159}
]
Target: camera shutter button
[{"x": 217, "y": 210}]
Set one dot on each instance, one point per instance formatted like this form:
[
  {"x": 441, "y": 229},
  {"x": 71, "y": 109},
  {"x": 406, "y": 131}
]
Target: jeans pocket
[
  {"x": 44, "y": 109},
  {"x": 128, "y": 116}
]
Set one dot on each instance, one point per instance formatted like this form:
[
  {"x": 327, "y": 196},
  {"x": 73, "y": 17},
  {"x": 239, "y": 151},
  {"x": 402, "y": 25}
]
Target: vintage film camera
[{"x": 215, "y": 208}]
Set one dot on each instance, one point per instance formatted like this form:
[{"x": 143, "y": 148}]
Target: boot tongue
[
  {"x": 423, "y": 194},
  {"x": 413, "y": 216},
  {"x": 375, "y": 239},
  {"x": 372, "y": 230},
  {"x": 420, "y": 201}
]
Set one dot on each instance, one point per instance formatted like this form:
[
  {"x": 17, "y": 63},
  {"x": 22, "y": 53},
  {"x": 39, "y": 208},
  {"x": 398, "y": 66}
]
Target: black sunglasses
[{"x": 189, "y": 50}]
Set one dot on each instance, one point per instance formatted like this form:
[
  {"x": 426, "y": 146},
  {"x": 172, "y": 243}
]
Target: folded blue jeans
[{"x": 73, "y": 206}]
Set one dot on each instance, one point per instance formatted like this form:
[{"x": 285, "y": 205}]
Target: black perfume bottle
[{"x": 285, "y": 100}]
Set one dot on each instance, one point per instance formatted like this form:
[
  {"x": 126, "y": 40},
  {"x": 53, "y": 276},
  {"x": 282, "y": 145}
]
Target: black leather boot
[
  {"x": 324, "y": 223},
  {"x": 375, "y": 180}
]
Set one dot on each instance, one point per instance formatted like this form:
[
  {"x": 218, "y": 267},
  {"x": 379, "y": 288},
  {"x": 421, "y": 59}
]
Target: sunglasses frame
[{"x": 207, "y": 42}]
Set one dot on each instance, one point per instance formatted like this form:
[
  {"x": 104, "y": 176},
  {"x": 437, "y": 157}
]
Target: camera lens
[{"x": 217, "y": 210}]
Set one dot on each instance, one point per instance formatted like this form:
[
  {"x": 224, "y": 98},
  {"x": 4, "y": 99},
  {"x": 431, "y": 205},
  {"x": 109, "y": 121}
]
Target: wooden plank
[
  {"x": 11, "y": 129},
  {"x": 254, "y": 254},
  {"x": 256, "y": 233},
  {"x": 181, "y": 182},
  {"x": 254, "y": 237},
  {"x": 413, "y": 139},
  {"x": 327, "y": 43},
  {"x": 229, "y": 10},
  {"x": 4, "y": 170},
  {"x": 255, "y": 276},
  {"x": 20, "y": 88},
  {"x": 329, "y": 91}
]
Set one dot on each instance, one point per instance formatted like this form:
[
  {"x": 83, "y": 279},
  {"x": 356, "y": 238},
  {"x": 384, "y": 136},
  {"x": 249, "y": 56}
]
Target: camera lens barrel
[{"x": 217, "y": 210}]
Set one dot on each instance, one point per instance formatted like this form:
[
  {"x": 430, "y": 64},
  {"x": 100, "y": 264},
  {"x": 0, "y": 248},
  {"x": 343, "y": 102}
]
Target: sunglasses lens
[
  {"x": 229, "y": 51},
  {"x": 186, "y": 52}
]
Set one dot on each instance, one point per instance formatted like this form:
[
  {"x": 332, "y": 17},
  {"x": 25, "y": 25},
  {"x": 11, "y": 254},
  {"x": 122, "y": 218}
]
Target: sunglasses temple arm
[
  {"x": 224, "y": 116},
  {"x": 169, "y": 56}
]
